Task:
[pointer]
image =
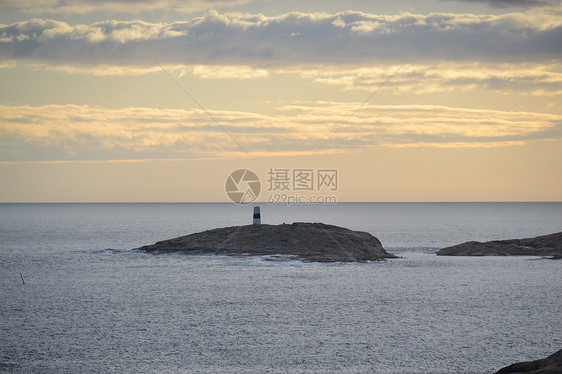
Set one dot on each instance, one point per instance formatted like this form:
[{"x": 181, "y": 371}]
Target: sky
[{"x": 159, "y": 101}]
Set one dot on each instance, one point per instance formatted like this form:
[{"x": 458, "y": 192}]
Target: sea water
[{"x": 83, "y": 309}]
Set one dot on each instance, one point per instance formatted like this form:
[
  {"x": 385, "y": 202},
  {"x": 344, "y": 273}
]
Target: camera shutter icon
[{"x": 243, "y": 186}]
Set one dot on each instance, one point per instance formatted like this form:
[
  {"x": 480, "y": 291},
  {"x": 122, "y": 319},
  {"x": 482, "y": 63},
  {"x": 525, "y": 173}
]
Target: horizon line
[{"x": 288, "y": 204}]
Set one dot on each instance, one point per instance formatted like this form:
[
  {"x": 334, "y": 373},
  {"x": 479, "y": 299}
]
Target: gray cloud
[{"x": 288, "y": 40}]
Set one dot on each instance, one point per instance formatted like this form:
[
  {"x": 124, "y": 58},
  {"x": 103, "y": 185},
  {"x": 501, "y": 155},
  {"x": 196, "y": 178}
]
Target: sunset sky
[{"x": 410, "y": 100}]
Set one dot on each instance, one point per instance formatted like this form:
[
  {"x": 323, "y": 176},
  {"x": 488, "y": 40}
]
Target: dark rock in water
[
  {"x": 546, "y": 245},
  {"x": 550, "y": 365},
  {"x": 303, "y": 241}
]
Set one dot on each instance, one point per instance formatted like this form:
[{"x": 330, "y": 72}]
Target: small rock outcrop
[
  {"x": 316, "y": 242},
  {"x": 546, "y": 245},
  {"x": 550, "y": 365}
]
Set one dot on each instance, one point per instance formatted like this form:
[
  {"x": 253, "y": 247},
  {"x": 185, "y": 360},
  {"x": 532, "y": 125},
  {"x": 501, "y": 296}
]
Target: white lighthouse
[{"x": 257, "y": 215}]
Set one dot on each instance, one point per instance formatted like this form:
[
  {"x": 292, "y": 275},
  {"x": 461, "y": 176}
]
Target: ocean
[{"x": 69, "y": 306}]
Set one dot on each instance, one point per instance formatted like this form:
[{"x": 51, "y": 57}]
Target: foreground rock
[
  {"x": 550, "y": 365},
  {"x": 303, "y": 241},
  {"x": 546, "y": 245}
]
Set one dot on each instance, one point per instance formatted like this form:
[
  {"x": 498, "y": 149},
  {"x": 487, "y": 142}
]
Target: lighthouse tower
[{"x": 257, "y": 215}]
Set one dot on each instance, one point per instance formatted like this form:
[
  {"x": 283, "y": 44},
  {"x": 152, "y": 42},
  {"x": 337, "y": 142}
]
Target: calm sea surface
[{"x": 86, "y": 310}]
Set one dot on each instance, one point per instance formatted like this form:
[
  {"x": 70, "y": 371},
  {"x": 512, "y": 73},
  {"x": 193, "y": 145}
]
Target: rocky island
[
  {"x": 316, "y": 242},
  {"x": 546, "y": 245},
  {"x": 550, "y": 365}
]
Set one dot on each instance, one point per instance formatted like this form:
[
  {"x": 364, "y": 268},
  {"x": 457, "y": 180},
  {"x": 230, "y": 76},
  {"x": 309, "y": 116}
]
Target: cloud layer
[
  {"x": 528, "y": 79},
  {"x": 71, "y": 132},
  {"x": 349, "y": 38},
  {"x": 511, "y": 53},
  {"x": 178, "y": 6}
]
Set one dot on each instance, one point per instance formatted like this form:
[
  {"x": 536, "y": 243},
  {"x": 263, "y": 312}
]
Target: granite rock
[
  {"x": 546, "y": 245},
  {"x": 303, "y": 241},
  {"x": 550, "y": 365}
]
